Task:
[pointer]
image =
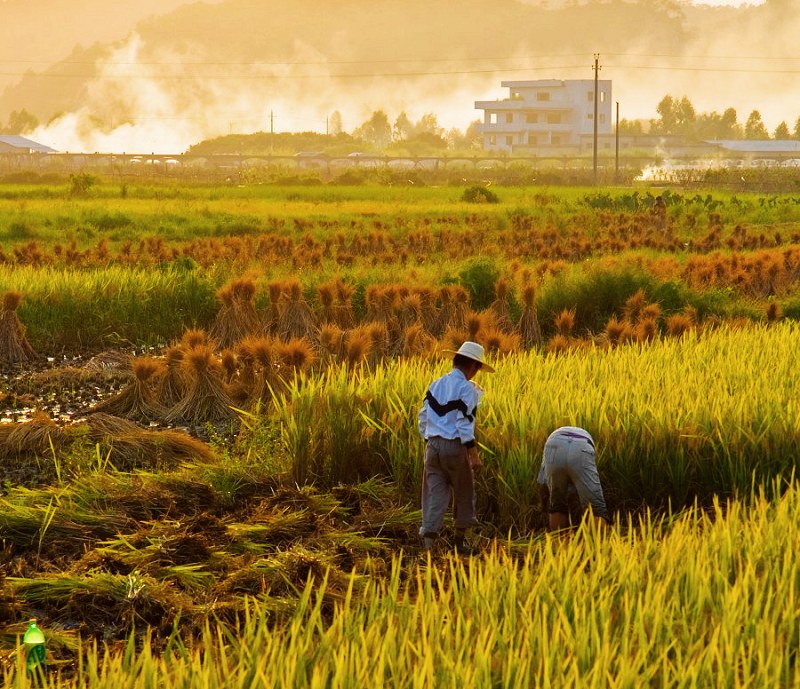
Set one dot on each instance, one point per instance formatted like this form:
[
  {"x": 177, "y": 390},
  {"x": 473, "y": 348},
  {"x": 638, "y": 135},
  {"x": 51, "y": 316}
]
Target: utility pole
[
  {"x": 594, "y": 147},
  {"x": 616, "y": 146},
  {"x": 271, "y": 132}
]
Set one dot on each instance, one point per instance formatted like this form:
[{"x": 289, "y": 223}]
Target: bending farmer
[
  {"x": 447, "y": 422},
  {"x": 568, "y": 464}
]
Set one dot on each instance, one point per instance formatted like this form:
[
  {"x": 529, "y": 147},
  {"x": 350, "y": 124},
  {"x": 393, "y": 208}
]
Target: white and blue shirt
[{"x": 448, "y": 410}]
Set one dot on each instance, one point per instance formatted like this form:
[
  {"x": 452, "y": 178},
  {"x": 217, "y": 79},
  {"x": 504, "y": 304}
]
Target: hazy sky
[{"x": 171, "y": 115}]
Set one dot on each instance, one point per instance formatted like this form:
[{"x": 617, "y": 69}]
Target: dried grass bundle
[
  {"x": 137, "y": 400},
  {"x": 38, "y": 437},
  {"x": 205, "y": 400},
  {"x": 565, "y": 322},
  {"x": 147, "y": 449},
  {"x": 296, "y": 319},
  {"x": 265, "y": 352},
  {"x": 634, "y": 305},
  {"x": 331, "y": 342},
  {"x": 14, "y": 346},
  {"x": 194, "y": 337},
  {"x": 275, "y": 290},
  {"x": 416, "y": 342},
  {"x": 529, "y": 329},
  {"x": 379, "y": 341},
  {"x": 237, "y": 316},
  {"x": 499, "y": 342}
]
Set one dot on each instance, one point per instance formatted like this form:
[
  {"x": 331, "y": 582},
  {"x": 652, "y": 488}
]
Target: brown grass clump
[
  {"x": 615, "y": 331},
  {"x": 336, "y": 303},
  {"x": 237, "y": 316},
  {"x": 265, "y": 353},
  {"x": 331, "y": 342},
  {"x": 296, "y": 320},
  {"x": 205, "y": 400},
  {"x": 558, "y": 344},
  {"x": 194, "y": 337},
  {"x": 137, "y": 400},
  {"x": 529, "y": 329},
  {"x": 634, "y": 306},
  {"x": 379, "y": 341},
  {"x": 499, "y": 342},
  {"x": 416, "y": 342},
  {"x": 14, "y": 346}
]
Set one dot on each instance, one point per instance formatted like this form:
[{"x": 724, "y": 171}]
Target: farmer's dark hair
[{"x": 461, "y": 361}]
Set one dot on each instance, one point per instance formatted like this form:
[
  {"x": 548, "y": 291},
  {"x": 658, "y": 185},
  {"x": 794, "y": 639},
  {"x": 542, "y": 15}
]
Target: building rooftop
[{"x": 16, "y": 141}]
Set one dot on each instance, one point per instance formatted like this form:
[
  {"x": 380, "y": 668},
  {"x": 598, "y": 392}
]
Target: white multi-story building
[{"x": 545, "y": 114}]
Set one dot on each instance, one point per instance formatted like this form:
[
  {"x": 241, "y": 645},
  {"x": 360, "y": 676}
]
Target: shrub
[
  {"x": 479, "y": 278},
  {"x": 479, "y": 194}
]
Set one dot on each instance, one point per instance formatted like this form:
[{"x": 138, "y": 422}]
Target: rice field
[{"x": 237, "y": 504}]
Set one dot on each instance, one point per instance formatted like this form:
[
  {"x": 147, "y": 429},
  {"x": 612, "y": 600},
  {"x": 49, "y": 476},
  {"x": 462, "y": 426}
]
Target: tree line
[{"x": 677, "y": 116}]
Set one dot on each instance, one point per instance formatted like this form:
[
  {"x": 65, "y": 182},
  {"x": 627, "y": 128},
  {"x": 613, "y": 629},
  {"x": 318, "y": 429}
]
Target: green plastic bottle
[{"x": 34, "y": 647}]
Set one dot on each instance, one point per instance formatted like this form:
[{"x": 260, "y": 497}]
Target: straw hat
[{"x": 474, "y": 351}]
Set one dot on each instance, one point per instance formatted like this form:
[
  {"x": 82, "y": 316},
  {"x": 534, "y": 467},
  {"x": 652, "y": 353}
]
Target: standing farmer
[
  {"x": 568, "y": 464},
  {"x": 447, "y": 423}
]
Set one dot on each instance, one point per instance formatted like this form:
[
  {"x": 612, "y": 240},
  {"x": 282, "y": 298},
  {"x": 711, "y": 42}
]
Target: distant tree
[
  {"x": 666, "y": 110},
  {"x": 470, "y": 140},
  {"x": 630, "y": 127},
  {"x": 685, "y": 117},
  {"x": 21, "y": 122},
  {"x": 730, "y": 125},
  {"x": 782, "y": 132},
  {"x": 797, "y": 129},
  {"x": 428, "y": 124},
  {"x": 335, "y": 123},
  {"x": 376, "y": 130},
  {"x": 754, "y": 127},
  {"x": 403, "y": 128}
]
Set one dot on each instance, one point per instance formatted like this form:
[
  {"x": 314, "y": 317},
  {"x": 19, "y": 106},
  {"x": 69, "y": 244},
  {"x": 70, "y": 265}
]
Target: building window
[
  {"x": 492, "y": 139},
  {"x": 554, "y": 118},
  {"x": 509, "y": 117},
  {"x": 602, "y": 96},
  {"x": 531, "y": 118},
  {"x": 492, "y": 118},
  {"x": 543, "y": 95},
  {"x": 509, "y": 141}
]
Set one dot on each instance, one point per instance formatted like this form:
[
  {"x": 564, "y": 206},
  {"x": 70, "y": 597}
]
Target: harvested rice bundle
[
  {"x": 499, "y": 342},
  {"x": 102, "y": 424},
  {"x": 39, "y": 436},
  {"x": 296, "y": 356},
  {"x": 147, "y": 449},
  {"x": 500, "y": 306},
  {"x": 266, "y": 353},
  {"x": 136, "y": 401},
  {"x": 237, "y": 316},
  {"x": 331, "y": 342},
  {"x": 357, "y": 346},
  {"x": 454, "y": 308},
  {"x": 14, "y": 346},
  {"x": 529, "y": 329},
  {"x": 416, "y": 342},
  {"x": 172, "y": 384},
  {"x": 345, "y": 317},
  {"x": 194, "y": 337},
  {"x": 429, "y": 313},
  {"x": 275, "y": 289},
  {"x": 206, "y": 399},
  {"x": 296, "y": 319},
  {"x": 379, "y": 342}
]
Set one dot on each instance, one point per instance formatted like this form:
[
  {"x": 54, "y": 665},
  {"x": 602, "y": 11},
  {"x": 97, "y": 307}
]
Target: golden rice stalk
[
  {"x": 14, "y": 346},
  {"x": 296, "y": 320},
  {"x": 529, "y": 329},
  {"x": 137, "y": 400},
  {"x": 237, "y": 316},
  {"x": 206, "y": 399},
  {"x": 33, "y": 437}
]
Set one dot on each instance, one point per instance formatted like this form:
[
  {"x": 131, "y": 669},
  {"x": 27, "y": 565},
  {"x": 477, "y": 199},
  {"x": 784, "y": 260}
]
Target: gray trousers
[
  {"x": 446, "y": 469},
  {"x": 567, "y": 462}
]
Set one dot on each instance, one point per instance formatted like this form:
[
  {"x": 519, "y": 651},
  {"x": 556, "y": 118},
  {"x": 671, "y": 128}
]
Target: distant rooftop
[{"x": 16, "y": 141}]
